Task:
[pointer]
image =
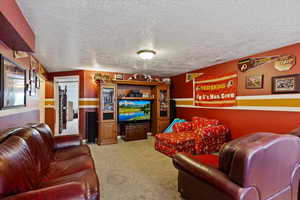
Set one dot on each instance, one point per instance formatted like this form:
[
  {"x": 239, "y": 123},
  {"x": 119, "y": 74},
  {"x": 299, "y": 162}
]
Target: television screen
[{"x": 134, "y": 110}]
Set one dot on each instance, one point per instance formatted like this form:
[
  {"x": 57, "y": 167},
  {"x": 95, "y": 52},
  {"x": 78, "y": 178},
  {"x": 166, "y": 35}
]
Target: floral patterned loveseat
[{"x": 199, "y": 136}]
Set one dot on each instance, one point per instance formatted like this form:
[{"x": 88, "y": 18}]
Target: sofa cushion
[
  {"x": 72, "y": 152},
  {"x": 87, "y": 177},
  {"x": 202, "y": 122},
  {"x": 6, "y": 133},
  {"x": 37, "y": 147},
  {"x": 67, "y": 167},
  {"x": 17, "y": 167},
  {"x": 210, "y": 138},
  {"x": 182, "y": 126},
  {"x": 46, "y": 134}
]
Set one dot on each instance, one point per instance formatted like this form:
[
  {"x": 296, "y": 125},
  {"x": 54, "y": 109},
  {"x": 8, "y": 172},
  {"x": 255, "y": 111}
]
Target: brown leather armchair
[{"x": 259, "y": 166}]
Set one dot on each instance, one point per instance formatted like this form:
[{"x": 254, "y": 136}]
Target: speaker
[
  {"x": 91, "y": 127},
  {"x": 172, "y": 110}
]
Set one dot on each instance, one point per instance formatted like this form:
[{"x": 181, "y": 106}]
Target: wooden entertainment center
[{"x": 109, "y": 95}]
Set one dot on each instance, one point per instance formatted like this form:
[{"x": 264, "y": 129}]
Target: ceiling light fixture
[{"x": 146, "y": 54}]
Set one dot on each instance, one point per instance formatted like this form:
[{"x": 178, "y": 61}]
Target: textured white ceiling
[{"x": 187, "y": 34}]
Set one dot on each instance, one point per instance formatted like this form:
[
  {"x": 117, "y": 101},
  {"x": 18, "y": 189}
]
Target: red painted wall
[
  {"x": 19, "y": 117},
  {"x": 243, "y": 122}
]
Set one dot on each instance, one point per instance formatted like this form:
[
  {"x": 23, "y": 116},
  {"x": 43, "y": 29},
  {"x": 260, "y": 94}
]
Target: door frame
[{"x": 56, "y": 80}]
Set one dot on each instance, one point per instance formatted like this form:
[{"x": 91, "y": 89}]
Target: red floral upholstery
[
  {"x": 170, "y": 144},
  {"x": 210, "y": 139},
  {"x": 182, "y": 126},
  {"x": 199, "y": 136}
]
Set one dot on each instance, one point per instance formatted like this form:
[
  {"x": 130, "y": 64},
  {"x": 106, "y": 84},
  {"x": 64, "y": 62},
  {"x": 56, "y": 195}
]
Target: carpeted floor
[{"x": 135, "y": 171}]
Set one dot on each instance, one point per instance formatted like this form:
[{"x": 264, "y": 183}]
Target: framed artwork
[
  {"x": 286, "y": 84},
  {"x": 108, "y": 98},
  {"x": 119, "y": 76},
  {"x": 20, "y": 54},
  {"x": 12, "y": 84},
  {"x": 32, "y": 83},
  {"x": 37, "y": 82},
  {"x": 255, "y": 81}
]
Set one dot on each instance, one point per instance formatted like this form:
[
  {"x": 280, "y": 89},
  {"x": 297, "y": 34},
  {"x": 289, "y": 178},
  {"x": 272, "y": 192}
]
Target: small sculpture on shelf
[
  {"x": 101, "y": 78},
  {"x": 141, "y": 77}
]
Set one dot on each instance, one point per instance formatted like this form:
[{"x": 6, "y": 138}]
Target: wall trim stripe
[
  {"x": 86, "y": 103},
  {"x": 88, "y": 99},
  {"x": 88, "y": 106},
  {"x": 285, "y": 109},
  {"x": 283, "y": 102},
  {"x": 275, "y": 96}
]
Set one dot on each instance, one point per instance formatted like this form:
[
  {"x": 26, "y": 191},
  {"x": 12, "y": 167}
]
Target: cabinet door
[
  {"x": 108, "y": 102},
  {"x": 164, "y": 101},
  {"x": 108, "y": 133}
]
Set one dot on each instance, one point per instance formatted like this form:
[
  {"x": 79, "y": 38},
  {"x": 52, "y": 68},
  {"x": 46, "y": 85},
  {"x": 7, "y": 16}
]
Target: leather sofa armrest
[
  {"x": 213, "y": 177},
  {"x": 295, "y": 132},
  {"x": 68, "y": 191},
  {"x": 65, "y": 141}
]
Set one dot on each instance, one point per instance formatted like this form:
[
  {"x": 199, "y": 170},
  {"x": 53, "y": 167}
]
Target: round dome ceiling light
[{"x": 146, "y": 54}]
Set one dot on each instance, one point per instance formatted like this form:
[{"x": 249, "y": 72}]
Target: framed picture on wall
[
  {"x": 286, "y": 84},
  {"x": 37, "y": 82},
  {"x": 12, "y": 84},
  {"x": 255, "y": 81},
  {"x": 32, "y": 83},
  {"x": 118, "y": 76},
  {"x": 20, "y": 54}
]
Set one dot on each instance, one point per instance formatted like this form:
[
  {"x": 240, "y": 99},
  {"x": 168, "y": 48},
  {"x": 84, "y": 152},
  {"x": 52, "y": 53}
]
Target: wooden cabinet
[
  {"x": 134, "y": 131},
  {"x": 107, "y": 133},
  {"x": 161, "y": 109},
  {"x": 158, "y": 93}
]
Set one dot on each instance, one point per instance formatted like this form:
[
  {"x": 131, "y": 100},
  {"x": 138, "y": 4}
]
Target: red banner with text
[{"x": 216, "y": 92}]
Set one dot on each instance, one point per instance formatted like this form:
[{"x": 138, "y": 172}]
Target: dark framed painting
[
  {"x": 12, "y": 84},
  {"x": 255, "y": 81},
  {"x": 37, "y": 82},
  {"x": 32, "y": 83},
  {"x": 286, "y": 84}
]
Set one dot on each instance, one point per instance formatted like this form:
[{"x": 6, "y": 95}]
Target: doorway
[{"x": 66, "y": 104}]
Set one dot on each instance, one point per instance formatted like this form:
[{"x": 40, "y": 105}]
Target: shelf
[
  {"x": 134, "y": 82},
  {"x": 137, "y": 98}
]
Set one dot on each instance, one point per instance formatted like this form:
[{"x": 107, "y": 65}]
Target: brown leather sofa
[
  {"x": 36, "y": 166},
  {"x": 261, "y": 166}
]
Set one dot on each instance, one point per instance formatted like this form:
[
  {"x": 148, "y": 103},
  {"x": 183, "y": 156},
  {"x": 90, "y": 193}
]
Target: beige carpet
[{"x": 135, "y": 171}]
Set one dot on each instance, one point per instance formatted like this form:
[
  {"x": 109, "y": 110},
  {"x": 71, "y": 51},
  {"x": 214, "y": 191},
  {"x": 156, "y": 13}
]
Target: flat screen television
[{"x": 134, "y": 110}]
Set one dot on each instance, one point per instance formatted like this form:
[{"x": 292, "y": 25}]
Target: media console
[
  {"x": 114, "y": 91},
  {"x": 133, "y": 131}
]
